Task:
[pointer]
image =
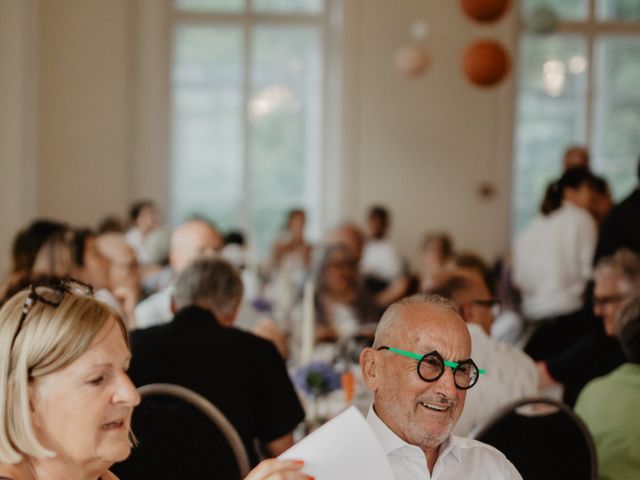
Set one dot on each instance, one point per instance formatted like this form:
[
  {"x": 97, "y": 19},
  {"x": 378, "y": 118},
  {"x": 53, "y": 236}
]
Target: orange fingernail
[
  {"x": 311, "y": 478},
  {"x": 299, "y": 462}
]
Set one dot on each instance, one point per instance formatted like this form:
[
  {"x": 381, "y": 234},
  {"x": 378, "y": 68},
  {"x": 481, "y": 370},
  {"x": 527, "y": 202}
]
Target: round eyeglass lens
[
  {"x": 78, "y": 288},
  {"x": 431, "y": 367},
  {"x": 466, "y": 374},
  {"x": 51, "y": 296}
]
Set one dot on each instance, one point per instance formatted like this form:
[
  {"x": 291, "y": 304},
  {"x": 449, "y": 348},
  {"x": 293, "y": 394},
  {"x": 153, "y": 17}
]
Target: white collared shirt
[
  {"x": 459, "y": 458},
  {"x": 381, "y": 259},
  {"x": 511, "y": 375},
  {"x": 552, "y": 261}
]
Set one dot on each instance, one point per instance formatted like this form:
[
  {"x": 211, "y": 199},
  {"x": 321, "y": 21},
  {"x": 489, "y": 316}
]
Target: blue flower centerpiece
[{"x": 317, "y": 379}]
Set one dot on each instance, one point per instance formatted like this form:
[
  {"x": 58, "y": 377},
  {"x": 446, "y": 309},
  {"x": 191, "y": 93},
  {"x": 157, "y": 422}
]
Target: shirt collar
[{"x": 392, "y": 443}]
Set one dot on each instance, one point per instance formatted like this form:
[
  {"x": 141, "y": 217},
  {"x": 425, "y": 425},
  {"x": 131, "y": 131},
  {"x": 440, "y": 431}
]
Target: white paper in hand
[{"x": 343, "y": 449}]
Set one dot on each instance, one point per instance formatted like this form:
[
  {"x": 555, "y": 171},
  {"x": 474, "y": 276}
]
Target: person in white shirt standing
[
  {"x": 511, "y": 374},
  {"x": 553, "y": 259},
  {"x": 419, "y": 371}
]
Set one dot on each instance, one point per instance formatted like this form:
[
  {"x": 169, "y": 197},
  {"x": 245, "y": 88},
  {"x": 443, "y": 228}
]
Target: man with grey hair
[
  {"x": 240, "y": 373},
  {"x": 419, "y": 371},
  {"x": 616, "y": 278},
  {"x": 189, "y": 241}
]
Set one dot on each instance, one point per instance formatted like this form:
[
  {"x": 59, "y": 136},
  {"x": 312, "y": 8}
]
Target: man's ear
[{"x": 370, "y": 368}]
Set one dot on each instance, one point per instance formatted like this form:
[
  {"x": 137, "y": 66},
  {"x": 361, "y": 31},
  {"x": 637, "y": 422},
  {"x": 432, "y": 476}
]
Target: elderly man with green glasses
[{"x": 419, "y": 371}]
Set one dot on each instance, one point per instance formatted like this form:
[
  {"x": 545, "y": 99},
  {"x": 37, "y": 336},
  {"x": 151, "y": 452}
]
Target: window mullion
[
  {"x": 246, "y": 128},
  {"x": 592, "y": 88}
]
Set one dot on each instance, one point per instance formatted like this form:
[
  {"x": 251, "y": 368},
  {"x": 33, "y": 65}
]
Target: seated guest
[
  {"x": 436, "y": 255},
  {"x": 110, "y": 224},
  {"x": 24, "y": 250},
  {"x": 470, "y": 263},
  {"x": 508, "y": 324},
  {"x": 351, "y": 237},
  {"x": 74, "y": 252},
  {"x": 342, "y": 304},
  {"x": 511, "y": 374},
  {"x": 552, "y": 264},
  {"x": 291, "y": 251},
  {"x": 240, "y": 373},
  {"x": 381, "y": 263},
  {"x": 609, "y": 405},
  {"x": 65, "y": 397},
  {"x": 189, "y": 240},
  {"x": 144, "y": 218},
  {"x": 419, "y": 370},
  {"x": 598, "y": 352},
  {"x": 124, "y": 274},
  {"x": 28, "y": 241}
]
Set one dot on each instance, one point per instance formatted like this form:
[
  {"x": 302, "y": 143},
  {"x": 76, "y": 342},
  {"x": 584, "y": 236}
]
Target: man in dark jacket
[{"x": 240, "y": 373}]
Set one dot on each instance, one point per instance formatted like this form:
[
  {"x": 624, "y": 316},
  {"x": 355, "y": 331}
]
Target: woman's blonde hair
[{"x": 50, "y": 339}]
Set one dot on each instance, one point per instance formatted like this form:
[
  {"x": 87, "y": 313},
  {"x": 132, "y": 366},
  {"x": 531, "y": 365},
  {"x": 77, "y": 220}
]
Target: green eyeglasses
[{"x": 431, "y": 367}]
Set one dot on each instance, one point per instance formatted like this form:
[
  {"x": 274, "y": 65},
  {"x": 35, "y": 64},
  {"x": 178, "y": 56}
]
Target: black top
[
  {"x": 621, "y": 228},
  {"x": 241, "y": 374},
  {"x": 594, "y": 355}
]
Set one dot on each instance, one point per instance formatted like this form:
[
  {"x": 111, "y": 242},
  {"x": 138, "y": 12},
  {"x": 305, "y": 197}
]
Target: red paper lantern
[
  {"x": 485, "y": 63},
  {"x": 484, "y": 11}
]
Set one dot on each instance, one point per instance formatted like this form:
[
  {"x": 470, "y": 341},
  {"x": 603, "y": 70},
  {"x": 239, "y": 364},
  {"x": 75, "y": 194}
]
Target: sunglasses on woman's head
[{"x": 50, "y": 293}]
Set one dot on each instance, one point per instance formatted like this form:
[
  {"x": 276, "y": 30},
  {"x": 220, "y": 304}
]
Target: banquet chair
[
  {"x": 543, "y": 438},
  {"x": 181, "y": 435}
]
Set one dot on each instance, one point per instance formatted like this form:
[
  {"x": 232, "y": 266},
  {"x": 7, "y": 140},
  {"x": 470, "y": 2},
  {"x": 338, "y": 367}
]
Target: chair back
[
  {"x": 543, "y": 438},
  {"x": 182, "y": 435}
]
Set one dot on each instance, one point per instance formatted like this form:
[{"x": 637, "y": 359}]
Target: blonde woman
[{"x": 65, "y": 397}]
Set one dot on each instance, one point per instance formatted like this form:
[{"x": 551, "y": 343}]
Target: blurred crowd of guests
[{"x": 544, "y": 316}]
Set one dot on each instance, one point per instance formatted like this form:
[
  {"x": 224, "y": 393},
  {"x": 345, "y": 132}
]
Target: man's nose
[{"x": 446, "y": 384}]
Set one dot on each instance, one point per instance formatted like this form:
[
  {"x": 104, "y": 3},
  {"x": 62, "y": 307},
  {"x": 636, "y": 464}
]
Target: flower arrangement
[{"x": 317, "y": 379}]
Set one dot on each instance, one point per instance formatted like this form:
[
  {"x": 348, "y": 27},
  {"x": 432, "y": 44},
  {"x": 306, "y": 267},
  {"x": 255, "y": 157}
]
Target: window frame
[
  {"x": 591, "y": 29},
  {"x": 326, "y": 198}
]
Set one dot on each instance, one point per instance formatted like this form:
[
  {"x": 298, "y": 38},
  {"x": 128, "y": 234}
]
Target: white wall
[
  {"x": 18, "y": 70},
  {"x": 85, "y": 113},
  {"x": 419, "y": 146},
  {"x": 423, "y": 146}
]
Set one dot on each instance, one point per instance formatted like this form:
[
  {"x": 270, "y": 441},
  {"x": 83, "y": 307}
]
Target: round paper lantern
[
  {"x": 484, "y": 11},
  {"x": 413, "y": 60},
  {"x": 485, "y": 63}
]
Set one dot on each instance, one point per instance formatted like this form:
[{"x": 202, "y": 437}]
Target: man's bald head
[
  {"x": 416, "y": 309},
  {"x": 191, "y": 240}
]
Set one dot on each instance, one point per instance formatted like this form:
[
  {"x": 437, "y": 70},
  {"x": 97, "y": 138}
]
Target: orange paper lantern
[
  {"x": 484, "y": 11},
  {"x": 485, "y": 63}
]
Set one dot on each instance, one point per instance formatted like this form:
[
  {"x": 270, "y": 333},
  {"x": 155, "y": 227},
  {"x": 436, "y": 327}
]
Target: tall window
[
  {"x": 577, "y": 85},
  {"x": 248, "y": 82}
]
